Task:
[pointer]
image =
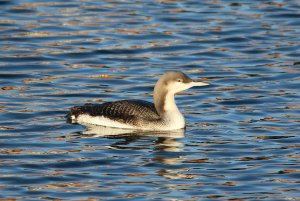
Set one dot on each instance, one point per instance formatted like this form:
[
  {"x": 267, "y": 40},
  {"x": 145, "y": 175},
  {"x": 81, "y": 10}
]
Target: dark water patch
[
  {"x": 21, "y": 180},
  {"x": 11, "y": 25},
  {"x": 62, "y": 4},
  {"x": 22, "y": 59},
  {"x": 188, "y": 33},
  {"x": 28, "y": 68},
  {"x": 284, "y": 15},
  {"x": 255, "y": 51},
  {"x": 235, "y": 39},
  {"x": 294, "y": 55},
  {"x": 210, "y": 54},
  {"x": 22, "y": 10},
  {"x": 116, "y": 51},
  {"x": 25, "y": 38},
  {"x": 75, "y": 55},
  {"x": 96, "y": 9},
  {"x": 4, "y": 2},
  {"x": 51, "y": 29},
  {"x": 288, "y": 48},
  {"x": 258, "y": 38},
  {"x": 159, "y": 36},
  {"x": 236, "y": 35},
  {"x": 14, "y": 76},
  {"x": 174, "y": 48},
  {"x": 70, "y": 95}
]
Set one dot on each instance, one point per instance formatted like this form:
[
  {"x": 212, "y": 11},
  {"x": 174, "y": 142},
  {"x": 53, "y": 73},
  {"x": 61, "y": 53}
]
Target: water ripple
[{"x": 241, "y": 141}]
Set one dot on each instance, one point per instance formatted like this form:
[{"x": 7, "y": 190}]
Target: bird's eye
[{"x": 179, "y": 80}]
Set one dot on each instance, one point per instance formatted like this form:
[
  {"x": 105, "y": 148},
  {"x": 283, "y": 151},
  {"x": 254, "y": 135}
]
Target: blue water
[{"x": 242, "y": 137}]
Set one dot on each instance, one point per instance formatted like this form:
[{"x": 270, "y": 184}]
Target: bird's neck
[{"x": 167, "y": 109}]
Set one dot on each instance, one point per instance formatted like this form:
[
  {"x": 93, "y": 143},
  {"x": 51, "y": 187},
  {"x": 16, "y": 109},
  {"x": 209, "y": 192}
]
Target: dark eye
[{"x": 179, "y": 80}]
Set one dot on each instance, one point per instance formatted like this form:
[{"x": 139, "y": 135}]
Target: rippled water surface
[{"x": 242, "y": 137}]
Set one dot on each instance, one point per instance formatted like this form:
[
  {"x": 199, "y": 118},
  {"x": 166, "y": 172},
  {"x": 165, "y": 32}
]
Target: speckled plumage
[{"x": 130, "y": 112}]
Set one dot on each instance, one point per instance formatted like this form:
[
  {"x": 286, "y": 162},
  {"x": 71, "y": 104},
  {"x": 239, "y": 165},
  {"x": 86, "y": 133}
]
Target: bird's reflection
[
  {"x": 165, "y": 141},
  {"x": 101, "y": 131},
  {"x": 162, "y": 143}
]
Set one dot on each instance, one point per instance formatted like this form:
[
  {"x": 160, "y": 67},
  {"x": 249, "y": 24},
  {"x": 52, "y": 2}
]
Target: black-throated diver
[{"x": 139, "y": 114}]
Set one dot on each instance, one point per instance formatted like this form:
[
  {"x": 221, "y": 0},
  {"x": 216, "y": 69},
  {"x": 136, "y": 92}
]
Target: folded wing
[{"x": 124, "y": 111}]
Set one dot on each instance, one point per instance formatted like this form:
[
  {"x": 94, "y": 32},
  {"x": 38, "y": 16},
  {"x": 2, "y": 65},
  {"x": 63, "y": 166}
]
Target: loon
[{"x": 163, "y": 115}]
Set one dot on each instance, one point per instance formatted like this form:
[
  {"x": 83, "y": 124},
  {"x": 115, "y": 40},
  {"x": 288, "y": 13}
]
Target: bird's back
[{"x": 130, "y": 112}]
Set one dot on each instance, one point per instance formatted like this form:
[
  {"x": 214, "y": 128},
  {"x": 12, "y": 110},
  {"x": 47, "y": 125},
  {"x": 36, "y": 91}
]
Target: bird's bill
[{"x": 199, "y": 84}]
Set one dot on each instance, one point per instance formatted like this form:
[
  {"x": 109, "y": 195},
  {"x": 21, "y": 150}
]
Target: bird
[{"x": 162, "y": 115}]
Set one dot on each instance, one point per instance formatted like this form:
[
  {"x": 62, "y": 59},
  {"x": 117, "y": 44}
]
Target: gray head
[{"x": 171, "y": 83}]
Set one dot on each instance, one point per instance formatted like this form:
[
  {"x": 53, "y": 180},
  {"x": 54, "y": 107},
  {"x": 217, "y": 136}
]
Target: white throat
[{"x": 172, "y": 115}]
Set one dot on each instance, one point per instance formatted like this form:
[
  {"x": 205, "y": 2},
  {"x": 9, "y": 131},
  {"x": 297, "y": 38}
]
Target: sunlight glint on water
[{"x": 242, "y": 137}]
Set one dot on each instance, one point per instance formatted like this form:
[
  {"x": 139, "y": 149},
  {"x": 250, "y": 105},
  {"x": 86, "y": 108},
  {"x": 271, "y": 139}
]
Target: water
[{"x": 242, "y": 137}]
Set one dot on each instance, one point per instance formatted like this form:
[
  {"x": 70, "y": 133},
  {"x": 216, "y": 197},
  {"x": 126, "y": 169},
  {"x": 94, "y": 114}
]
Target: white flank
[
  {"x": 169, "y": 124},
  {"x": 101, "y": 121}
]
